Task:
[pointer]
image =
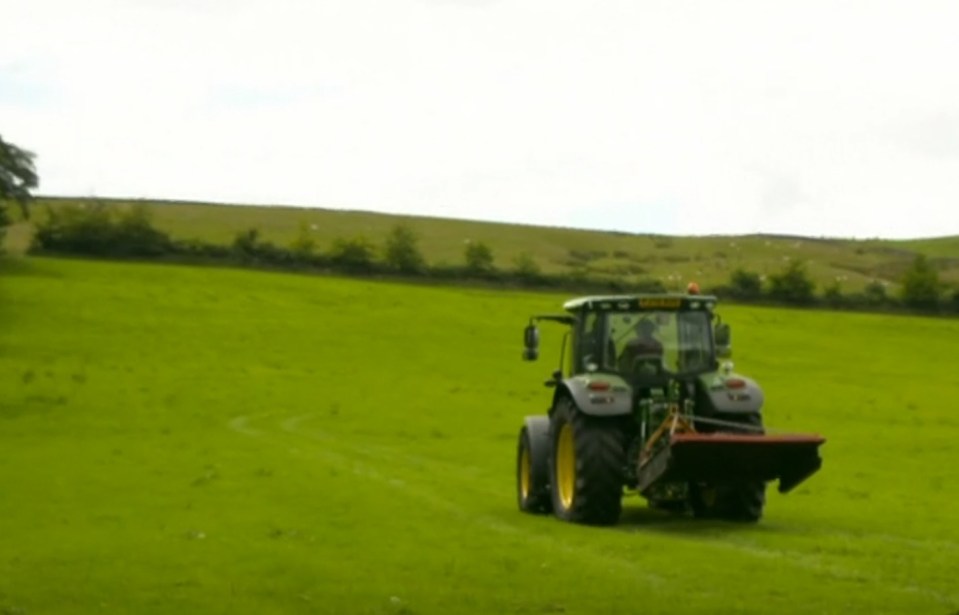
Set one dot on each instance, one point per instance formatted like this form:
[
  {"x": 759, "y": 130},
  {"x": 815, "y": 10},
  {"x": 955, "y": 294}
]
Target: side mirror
[
  {"x": 531, "y": 342},
  {"x": 722, "y": 338}
]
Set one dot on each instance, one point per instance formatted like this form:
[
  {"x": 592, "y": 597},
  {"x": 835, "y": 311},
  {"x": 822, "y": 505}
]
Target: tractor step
[{"x": 722, "y": 457}]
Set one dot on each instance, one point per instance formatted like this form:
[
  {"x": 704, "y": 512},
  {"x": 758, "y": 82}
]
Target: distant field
[
  {"x": 674, "y": 260},
  {"x": 198, "y": 440}
]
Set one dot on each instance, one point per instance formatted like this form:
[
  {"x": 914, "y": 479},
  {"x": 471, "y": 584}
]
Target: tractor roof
[{"x": 633, "y": 303}]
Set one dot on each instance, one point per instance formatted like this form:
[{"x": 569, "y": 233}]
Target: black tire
[
  {"x": 532, "y": 467},
  {"x": 673, "y": 507},
  {"x": 586, "y": 466},
  {"x": 741, "y": 501}
]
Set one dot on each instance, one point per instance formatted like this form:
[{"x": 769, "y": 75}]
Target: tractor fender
[
  {"x": 731, "y": 393},
  {"x": 612, "y": 400}
]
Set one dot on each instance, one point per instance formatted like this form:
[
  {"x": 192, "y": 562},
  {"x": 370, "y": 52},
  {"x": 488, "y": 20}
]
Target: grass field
[
  {"x": 625, "y": 257},
  {"x": 198, "y": 440}
]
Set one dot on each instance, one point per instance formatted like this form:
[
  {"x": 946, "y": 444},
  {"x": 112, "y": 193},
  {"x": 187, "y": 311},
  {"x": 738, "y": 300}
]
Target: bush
[
  {"x": 875, "y": 294},
  {"x": 792, "y": 284},
  {"x": 526, "y": 268},
  {"x": 833, "y": 296},
  {"x": 954, "y": 301},
  {"x": 137, "y": 236},
  {"x": 194, "y": 248},
  {"x": 4, "y": 223},
  {"x": 745, "y": 284},
  {"x": 249, "y": 248},
  {"x": 920, "y": 285},
  {"x": 100, "y": 231},
  {"x": 402, "y": 251},
  {"x": 649, "y": 286},
  {"x": 303, "y": 245},
  {"x": 355, "y": 255},
  {"x": 479, "y": 258},
  {"x": 246, "y": 243}
]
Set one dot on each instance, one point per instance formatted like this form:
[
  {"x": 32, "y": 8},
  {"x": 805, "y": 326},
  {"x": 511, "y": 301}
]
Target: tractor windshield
[{"x": 631, "y": 342}]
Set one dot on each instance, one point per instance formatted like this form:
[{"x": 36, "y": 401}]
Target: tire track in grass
[
  {"x": 241, "y": 424},
  {"x": 815, "y": 564},
  {"x": 348, "y": 456},
  {"x": 901, "y": 541},
  {"x": 430, "y": 497},
  {"x": 376, "y": 452}
]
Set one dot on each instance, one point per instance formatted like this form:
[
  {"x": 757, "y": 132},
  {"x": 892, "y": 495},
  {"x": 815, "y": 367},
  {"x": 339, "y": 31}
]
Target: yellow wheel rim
[
  {"x": 566, "y": 465},
  {"x": 525, "y": 469}
]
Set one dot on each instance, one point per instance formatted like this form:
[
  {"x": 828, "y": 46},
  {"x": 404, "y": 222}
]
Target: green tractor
[{"x": 644, "y": 400}]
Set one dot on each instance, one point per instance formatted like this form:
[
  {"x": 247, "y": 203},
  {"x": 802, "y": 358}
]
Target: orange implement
[{"x": 721, "y": 457}]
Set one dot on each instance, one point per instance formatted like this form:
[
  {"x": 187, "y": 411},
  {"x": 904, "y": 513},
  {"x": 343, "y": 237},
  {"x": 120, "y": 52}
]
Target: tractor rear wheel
[
  {"x": 741, "y": 501},
  {"x": 532, "y": 466},
  {"x": 735, "y": 501},
  {"x": 586, "y": 466}
]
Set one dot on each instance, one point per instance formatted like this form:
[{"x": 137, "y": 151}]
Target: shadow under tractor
[{"x": 645, "y": 399}]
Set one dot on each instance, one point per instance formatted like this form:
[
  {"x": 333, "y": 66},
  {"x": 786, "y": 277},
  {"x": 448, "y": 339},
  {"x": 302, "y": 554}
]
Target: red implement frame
[{"x": 720, "y": 457}]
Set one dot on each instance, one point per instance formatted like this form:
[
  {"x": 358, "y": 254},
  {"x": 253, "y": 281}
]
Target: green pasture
[
  {"x": 199, "y": 440},
  {"x": 621, "y": 256}
]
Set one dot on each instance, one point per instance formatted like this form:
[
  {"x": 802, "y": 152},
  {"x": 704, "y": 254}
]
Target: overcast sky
[{"x": 816, "y": 118}]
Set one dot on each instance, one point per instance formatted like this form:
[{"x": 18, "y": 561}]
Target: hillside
[{"x": 627, "y": 257}]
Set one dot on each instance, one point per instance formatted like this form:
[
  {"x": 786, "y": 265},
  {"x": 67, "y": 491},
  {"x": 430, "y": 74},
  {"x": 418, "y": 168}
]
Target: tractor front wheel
[{"x": 586, "y": 466}]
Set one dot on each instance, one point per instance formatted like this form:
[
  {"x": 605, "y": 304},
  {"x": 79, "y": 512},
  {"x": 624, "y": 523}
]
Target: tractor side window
[
  {"x": 695, "y": 353},
  {"x": 593, "y": 344}
]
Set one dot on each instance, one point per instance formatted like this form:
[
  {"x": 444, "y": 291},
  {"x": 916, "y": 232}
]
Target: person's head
[{"x": 645, "y": 327}]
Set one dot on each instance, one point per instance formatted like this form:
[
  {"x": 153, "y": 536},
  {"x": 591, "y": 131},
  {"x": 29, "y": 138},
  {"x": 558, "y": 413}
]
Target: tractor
[{"x": 645, "y": 399}]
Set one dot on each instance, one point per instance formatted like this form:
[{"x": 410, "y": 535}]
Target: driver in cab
[{"x": 643, "y": 347}]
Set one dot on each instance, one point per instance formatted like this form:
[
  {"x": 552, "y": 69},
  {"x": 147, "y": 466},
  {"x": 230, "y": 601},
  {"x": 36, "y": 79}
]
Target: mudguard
[
  {"x": 598, "y": 394},
  {"x": 729, "y": 394}
]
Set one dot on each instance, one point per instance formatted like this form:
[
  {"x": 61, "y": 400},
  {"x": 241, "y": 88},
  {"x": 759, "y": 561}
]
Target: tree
[
  {"x": 792, "y": 284},
  {"x": 136, "y": 235},
  {"x": 479, "y": 257},
  {"x": 17, "y": 176},
  {"x": 833, "y": 294},
  {"x": 245, "y": 243},
  {"x": 874, "y": 293},
  {"x": 303, "y": 245},
  {"x": 745, "y": 284},
  {"x": 402, "y": 252},
  {"x": 954, "y": 301},
  {"x": 920, "y": 285},
  {"x": 526, "y": 267},
  {"x": 100, "y": 230},
  {"x": 354, "y": 254}
]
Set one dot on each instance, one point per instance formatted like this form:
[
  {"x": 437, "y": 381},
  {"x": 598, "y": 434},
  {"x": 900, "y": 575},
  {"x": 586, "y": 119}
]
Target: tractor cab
[{"x": 647, "y": 340}]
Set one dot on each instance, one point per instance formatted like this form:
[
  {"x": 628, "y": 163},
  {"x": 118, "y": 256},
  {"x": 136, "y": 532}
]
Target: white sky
[{"x": 835, "y": 118}]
